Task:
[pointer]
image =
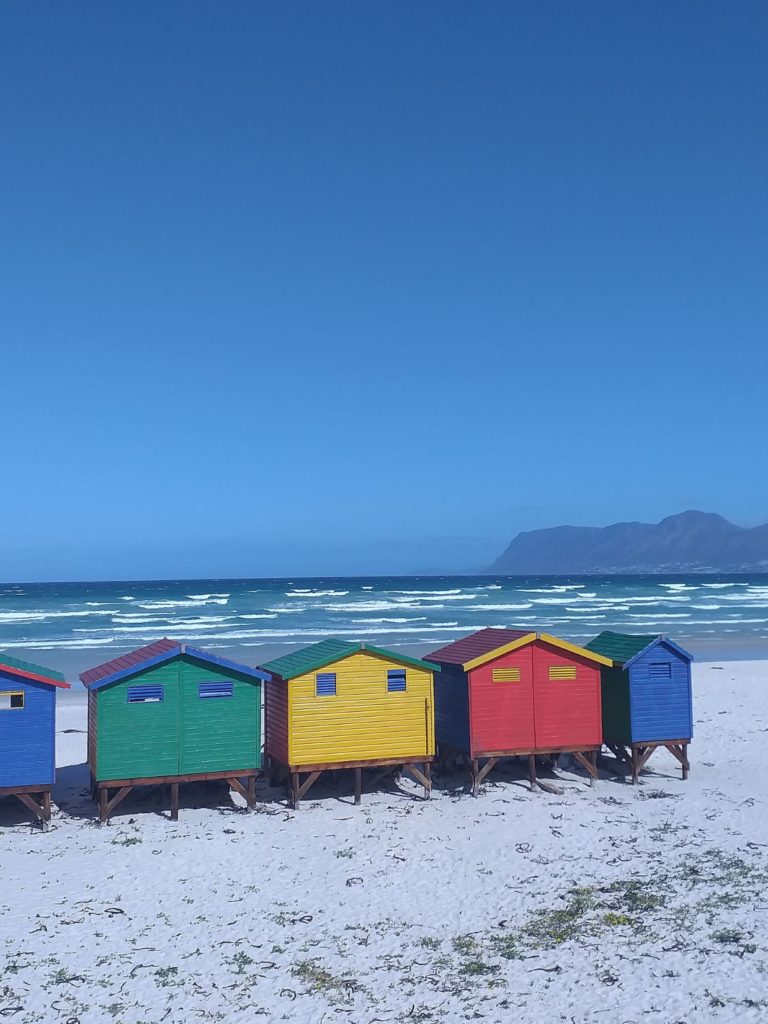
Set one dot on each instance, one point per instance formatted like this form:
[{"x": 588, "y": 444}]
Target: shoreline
[{"x": 73, "y": 662}]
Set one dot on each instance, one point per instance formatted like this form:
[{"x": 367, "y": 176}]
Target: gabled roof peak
[{"x": 155, "y": 654}]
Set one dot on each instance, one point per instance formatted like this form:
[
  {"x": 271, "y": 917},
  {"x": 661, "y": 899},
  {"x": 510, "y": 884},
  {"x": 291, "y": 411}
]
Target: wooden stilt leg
[
  {"x": 174, "y": 801},
  {"x": 295, "y": 780},
  {"x": 358, "y": 785},
  {"x": 251, "y": 791},
  {"x": 593, "y": 759},
  {"x": 635, "y": 765},
  {"x": 103, "y": 803},
  {"x": 428, "y": 777},
  {"x": 475, "y": 773},
  {"x": 532, "y": 770},
  {"x": 686, "y": 763},
  {"x": 46, "y": 811}
]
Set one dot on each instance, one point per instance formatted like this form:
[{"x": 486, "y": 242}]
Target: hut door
[
  {"x": 567, "y": 700},
  {"x": 501, "y": 704}
]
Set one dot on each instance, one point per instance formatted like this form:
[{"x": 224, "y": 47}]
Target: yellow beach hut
[{"x": 338, "y": 705}]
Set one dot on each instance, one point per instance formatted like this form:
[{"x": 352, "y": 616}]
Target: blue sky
[{"x": 356, "y": 287}]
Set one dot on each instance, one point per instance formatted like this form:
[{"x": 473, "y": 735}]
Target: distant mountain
[{"x": 691, "y": 541}]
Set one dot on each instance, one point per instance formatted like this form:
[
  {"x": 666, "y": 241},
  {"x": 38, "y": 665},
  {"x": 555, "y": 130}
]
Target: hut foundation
[
  {"x": 637, "y": 755},
  {"x": 37, "y": 800},
  {"x": 303, "y": 777},
  {"x": 111, "y": 793}
]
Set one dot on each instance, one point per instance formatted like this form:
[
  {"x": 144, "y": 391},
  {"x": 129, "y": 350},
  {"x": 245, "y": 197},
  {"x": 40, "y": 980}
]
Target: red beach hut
[{"x": 507, "y": 692}]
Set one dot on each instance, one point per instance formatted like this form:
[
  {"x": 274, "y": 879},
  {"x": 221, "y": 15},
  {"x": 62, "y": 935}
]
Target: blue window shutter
[
  {"x": 145, "y": 694},
  {"x": 660, "y": 670},
  {"x": 219, "y": 688},
  {"x": 396, "y": 680},
  {"x": 325, "y": 684}
]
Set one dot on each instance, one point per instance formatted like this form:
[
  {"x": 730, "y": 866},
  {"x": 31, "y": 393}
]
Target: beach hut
[
  {"x": 337, "y": 704},
  {"x": 171, "y": 713},
  {"x": 508, "y": 692},
  {"x": 647, "y": 700},
  {"x": 27, "y": 733}
]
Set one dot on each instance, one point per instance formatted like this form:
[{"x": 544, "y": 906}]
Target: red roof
[
  {"x": 127, "y": 661},
  {"x": 475, "y": 645}
]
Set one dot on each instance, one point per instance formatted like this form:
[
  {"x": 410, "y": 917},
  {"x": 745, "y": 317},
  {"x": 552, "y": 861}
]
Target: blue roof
[{"x": 155, "y": 654}]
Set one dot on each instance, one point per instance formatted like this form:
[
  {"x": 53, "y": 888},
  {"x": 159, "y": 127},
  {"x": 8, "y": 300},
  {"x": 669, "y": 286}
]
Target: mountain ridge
[{"x": 690, "y": 541}]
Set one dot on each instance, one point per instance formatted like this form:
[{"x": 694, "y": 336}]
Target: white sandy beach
[{"x": 615, "y": 904}]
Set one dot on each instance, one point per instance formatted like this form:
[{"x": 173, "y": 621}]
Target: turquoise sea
[{"x": 72, "y": 626}]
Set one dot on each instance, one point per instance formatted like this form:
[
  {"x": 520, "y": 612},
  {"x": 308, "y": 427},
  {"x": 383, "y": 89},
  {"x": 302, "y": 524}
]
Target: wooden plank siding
[
  {"x": 27, "y": 734},
  {"x": 276, "y": 730},
  {"x": 502, "y": 713},
  {"x": 139, "y": 740},
  {"x": 363, "y": 721},
  {"x": 568, "y": 711},
  {"x": 184, "y": 734},
  {"x": 661, "y": 708},
  {"x": 217, "y": 734},
  {"x": 92, "y": 731},
  {"x": 617, "y": 718}
]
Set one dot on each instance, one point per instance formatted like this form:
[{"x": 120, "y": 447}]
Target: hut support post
[
  {"x": 479, "y": 774},
  {"x": 174, "y": 801},
  {"x": 588, "y": 761},
  {"x": 680, "y": 751},
  {"x": 40, "y": 810},
  {"x": 532, "y": 771},
  {"x": 247, "y": 791},
  {"x": 423, "y": 776},
  {"x": 299, "y": 788},
  {"x": 107, "y": 806},
  {"x": 358, "y": 785}
]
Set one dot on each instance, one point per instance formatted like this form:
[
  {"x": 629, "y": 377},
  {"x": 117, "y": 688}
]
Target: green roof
[
  {"x": 620, "y": 647},
  {"x": 28, "y": 666},
  {"x": 311, "y": 658}
]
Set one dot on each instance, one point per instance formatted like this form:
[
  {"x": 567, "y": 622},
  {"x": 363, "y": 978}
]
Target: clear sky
[{"x": 304, "y": 288}]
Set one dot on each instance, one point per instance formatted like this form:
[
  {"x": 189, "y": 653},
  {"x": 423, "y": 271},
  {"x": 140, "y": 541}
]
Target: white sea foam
[
  {"x": 43, "y": 616},
  {"x": 425, "y": 593},
  {"x": 258, "y": 615},
  {"x": 160, "y": 605},
  {"x": 678, "y": 586},
  {"x": 205, "y": 597},
  {"x": 421, "y": 618},
  {"x": 490, "y": 586},
  {"x": 501, "y": 607},
  {"x": 317, "y": 593},
  {"x": 57, "y": 643},
  {"x": 554, "y": 589}
]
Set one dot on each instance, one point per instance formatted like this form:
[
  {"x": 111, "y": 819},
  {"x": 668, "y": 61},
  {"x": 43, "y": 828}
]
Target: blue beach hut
[
  {"x": 27, "y": 733},
  {"x": 646, "y": 697}
]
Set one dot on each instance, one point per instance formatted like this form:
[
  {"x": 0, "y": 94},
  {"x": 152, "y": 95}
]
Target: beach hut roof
[
  {"x": 311, "y": 658},
  {"x": 26, "y": 670},
  {"x": 624, "y": 648},
  {"x": 472, "y": 651},
  {"x": 155, "y": 654}
]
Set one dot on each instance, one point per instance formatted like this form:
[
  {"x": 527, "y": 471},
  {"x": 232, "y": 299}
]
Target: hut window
[
  {"x": 218, "y": 689},
  {"x": 12, "y": 701},
  {"x": 325, "y": 684},
  {"x": 396, "y": 680},
  {"x": 562, "y": 671},
  {"x": 660, "y": 670},
  {"x": 506, "y": 675},
  {"x": 145, "y": 694}
]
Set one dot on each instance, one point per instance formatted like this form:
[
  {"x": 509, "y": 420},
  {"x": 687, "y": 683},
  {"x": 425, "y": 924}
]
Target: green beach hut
[{"x": 170, "y": 713}]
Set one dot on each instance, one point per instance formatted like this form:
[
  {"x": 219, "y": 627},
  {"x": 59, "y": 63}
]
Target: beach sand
[{"x": 613, "y": 903}]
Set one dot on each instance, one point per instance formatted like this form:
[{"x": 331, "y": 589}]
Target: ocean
[{"x": 73, "y": 626}]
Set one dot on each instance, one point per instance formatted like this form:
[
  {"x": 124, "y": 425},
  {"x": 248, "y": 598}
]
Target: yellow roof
[{"x": 529, "y": 638}]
